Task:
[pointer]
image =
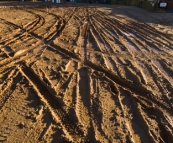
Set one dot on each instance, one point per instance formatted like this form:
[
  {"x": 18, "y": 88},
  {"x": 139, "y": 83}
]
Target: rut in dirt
[
  {"x": 50, "y": 95},
  {"x": 100, "y": 77}
]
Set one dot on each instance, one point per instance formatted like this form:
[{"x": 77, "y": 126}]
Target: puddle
[
  {"x": 129, "y": 34},
  {"x": 126, "y": 34},
  {"x": 144, "y": 50},
  {"x": 155, "y": 49},
  {"x": 49, "y": 42},
  {"x": 7, "y": 49},
  {"x": 114, "y": 35},
  {"x": 132, "y": 35},
  {"x": 132, "y": 47}
]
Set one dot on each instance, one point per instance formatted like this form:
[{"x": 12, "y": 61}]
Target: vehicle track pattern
[{"x": 77, "y": 74}]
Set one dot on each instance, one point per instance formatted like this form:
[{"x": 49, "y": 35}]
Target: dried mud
[{"x": 89, "y": 73}]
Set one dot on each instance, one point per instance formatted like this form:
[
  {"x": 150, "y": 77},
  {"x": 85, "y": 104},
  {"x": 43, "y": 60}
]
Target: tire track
[
  {"x": 96, "y": 109},
  {"x": 107, "y": 35},
  {"x": 29, "y": 28},
  {"x": 8, "y": 87},
  {"x": 102, "y": 47},
  {"x": 120, "y": 81},
  {"x": 129, "y": 94},
  {"x": 53, "y": 30},
  {"x": 141, "y": 32},
  {"x": 160, "y": 85},
  {"x": 148, "y": 29},
  {"x": 156, "y": 78},
  {"x": 83, "y": 104},
  {"x": 138, "y": 89},
  {"x": 122, "y": 34},
  {"x": 49, "y": 98},
  {"x": 16, "y": 113},
  {"x": 137, "y": 120},
  {"x": 18, "y": 54},
  {"x": 155, "y": 44},
  {"x": 34, "y": 36}
]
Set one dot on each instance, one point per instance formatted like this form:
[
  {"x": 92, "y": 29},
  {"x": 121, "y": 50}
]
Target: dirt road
[{"x": 85, "y": 73}]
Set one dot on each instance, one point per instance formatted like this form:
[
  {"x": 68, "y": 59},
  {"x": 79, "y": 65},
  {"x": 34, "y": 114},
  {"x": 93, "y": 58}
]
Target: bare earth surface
[{"x": 85, "y": 73}]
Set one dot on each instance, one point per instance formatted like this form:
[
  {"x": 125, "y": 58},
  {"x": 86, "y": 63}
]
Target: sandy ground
[{"x": 85, "y": 73}]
